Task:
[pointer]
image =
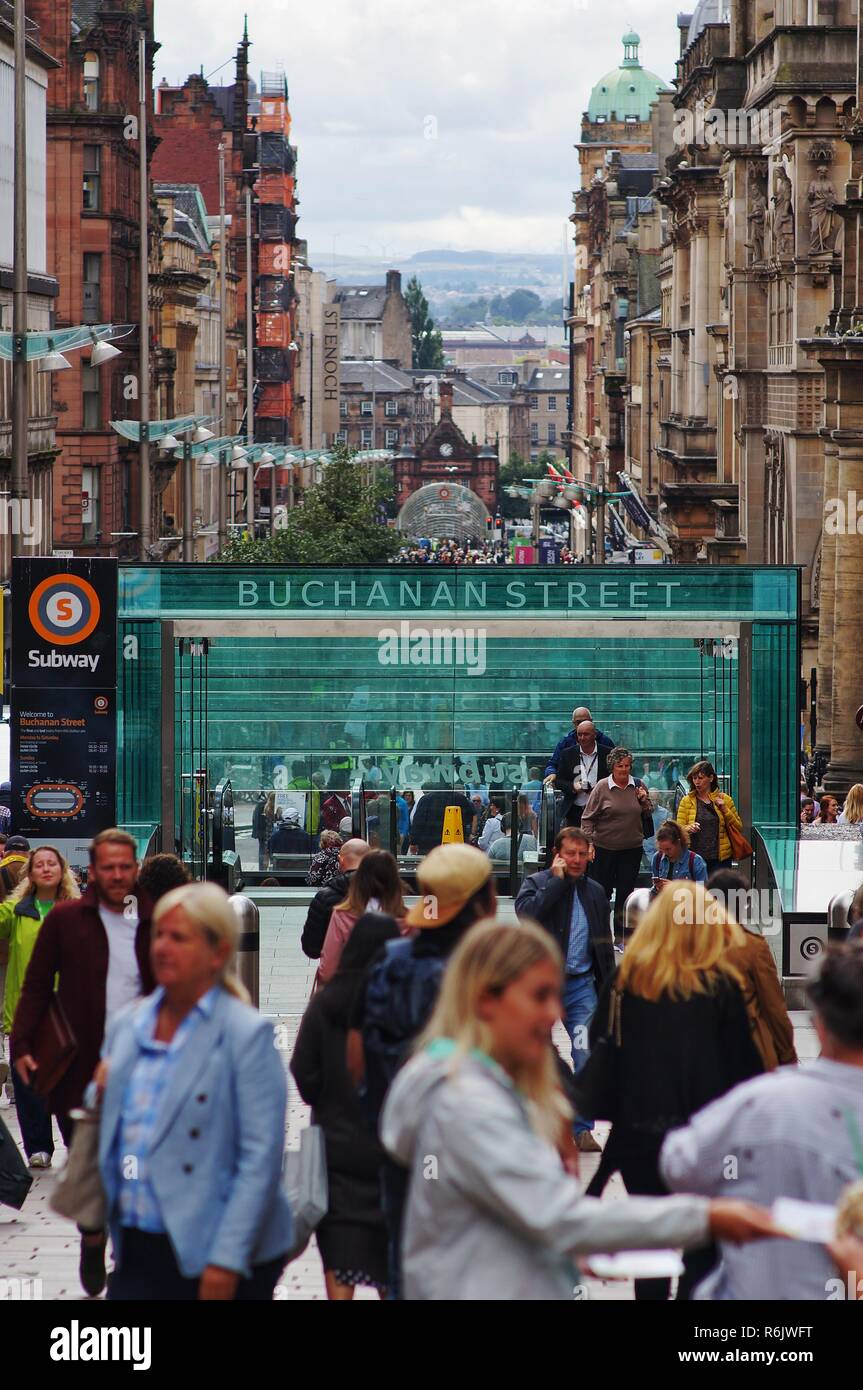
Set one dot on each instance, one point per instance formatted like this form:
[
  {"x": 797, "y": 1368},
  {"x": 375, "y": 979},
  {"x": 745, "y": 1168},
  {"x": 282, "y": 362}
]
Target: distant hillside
[{"x": 460, "y": 285}]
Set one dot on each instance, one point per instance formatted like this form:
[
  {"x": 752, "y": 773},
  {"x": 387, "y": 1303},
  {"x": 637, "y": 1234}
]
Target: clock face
[{"x": 446, "y": 450}]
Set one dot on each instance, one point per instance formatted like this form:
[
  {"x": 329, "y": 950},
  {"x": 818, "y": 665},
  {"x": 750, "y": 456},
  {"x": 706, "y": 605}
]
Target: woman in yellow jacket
[
  {"x": 46, "y": 880},
  {"x": 706, "y": 812}
]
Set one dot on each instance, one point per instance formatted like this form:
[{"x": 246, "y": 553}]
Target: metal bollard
[
  {"x": 249, "y": 944},
  {"x": 837, "y": 915},
  {"x": 634, "y": 909}
]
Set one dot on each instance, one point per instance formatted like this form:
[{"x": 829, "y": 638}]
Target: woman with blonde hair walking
[
  {"x": 193, "y": 1120},
  {"x": 46, "y": 880},
  {"x": 480, "y": 1110},
  {"x": 683, "y": 1037}
]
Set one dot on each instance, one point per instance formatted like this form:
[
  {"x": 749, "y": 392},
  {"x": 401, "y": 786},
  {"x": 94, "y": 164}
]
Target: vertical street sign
[{"x": 64, "y": 700}]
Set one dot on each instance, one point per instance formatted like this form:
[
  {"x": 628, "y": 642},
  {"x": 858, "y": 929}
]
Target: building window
[
  {"x": 92, "y": 171},
  {"x": 552, "y": 434},
  {"x": 391, "y": 409},
  {"x": 507, "y": 378},
  {"x": 91, "y": 81},
  {"x": 343, "y": 409},
  {"x": 533, "y": 401},
  {"x": 90, "y": 509},
  {"x": 552, "y": 402},
  {"x": 534, "y": 433},
  {"x": 392, "y": 439},
  {"x": 92, "y": 288},
  {"x": 366, "y": 408},
  {"x": 91, "y": 386},
  {"x": 365, "y": 439},
  {"x": 342, "y": 437}
]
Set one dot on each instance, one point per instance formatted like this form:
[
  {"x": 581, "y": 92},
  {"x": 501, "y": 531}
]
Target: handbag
[
  {"x": 740, "y": 846},
  {"x": 597, "y": 1085},
  {"x": 54, "y": 1048},
  {"x": 78, "y": 1192},
  {"x": 305, "y": 1184},
  {"x": 15, "y": 1181}
]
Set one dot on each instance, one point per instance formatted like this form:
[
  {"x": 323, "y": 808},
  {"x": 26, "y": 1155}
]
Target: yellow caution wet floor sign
[{"x": 453, "y": 826}]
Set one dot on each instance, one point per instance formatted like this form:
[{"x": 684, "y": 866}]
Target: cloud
[{"x": 423, "y": 125}]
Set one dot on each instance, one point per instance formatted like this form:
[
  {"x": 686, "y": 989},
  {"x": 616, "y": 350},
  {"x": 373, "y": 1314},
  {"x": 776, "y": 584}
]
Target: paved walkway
[{"x": 42, "y": 1248}]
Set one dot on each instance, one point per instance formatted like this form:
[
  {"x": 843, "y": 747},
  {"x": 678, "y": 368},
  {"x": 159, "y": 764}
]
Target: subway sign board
[{"x": 64, "y": 699}]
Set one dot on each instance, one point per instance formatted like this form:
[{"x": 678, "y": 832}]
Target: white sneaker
[{"x": 40, "y": 1160}]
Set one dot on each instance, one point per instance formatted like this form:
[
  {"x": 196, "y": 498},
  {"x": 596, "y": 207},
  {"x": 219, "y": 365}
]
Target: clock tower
[{"x": 446, "y": 456}]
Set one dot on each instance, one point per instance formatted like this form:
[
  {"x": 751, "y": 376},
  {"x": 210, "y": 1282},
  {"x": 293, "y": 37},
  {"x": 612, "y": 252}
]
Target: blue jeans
[
  {"x": 34, "y": 1118},
  {"x": 579, "y": 1002}
]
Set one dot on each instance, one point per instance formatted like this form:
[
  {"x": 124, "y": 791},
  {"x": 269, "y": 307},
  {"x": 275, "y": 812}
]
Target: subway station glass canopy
[{"x": 268, "y": 674}]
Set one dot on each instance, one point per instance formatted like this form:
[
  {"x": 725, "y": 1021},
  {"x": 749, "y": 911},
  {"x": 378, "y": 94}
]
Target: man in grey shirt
[{"x": 795, "y": 1132}]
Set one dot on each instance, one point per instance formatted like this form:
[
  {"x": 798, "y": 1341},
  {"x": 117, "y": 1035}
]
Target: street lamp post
[
  {"x": 222, "y": 476},
  {"x": 250, "y": 327},
  {"x": 146, "y": 503},
  {"x": 20, "y": 480}
]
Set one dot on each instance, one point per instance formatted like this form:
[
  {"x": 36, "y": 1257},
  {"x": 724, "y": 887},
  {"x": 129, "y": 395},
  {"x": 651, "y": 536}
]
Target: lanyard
[{"x": 591, "y": 765}]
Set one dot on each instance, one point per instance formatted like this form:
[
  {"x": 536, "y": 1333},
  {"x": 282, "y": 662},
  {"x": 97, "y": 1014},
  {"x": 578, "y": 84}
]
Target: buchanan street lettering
[{"x": 447, "y": 595}]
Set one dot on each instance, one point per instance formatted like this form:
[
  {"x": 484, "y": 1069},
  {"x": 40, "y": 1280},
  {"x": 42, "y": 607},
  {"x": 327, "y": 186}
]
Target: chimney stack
[
  {"x": 445, "y": 395},
  {"x": 394, "y": 282}
]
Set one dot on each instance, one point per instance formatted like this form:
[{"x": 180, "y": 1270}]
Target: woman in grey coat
[{"x": 480, "y": 1120}]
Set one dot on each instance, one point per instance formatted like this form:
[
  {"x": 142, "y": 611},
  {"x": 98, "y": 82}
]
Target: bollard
[
  {"x": 634, "y": 909},
  {"x": 837, "y": 915},
  {"x": 248, "y": 944}
]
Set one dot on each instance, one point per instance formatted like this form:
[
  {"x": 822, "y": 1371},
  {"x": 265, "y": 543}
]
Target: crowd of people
[
  {"x": 453, "y": 1124},
  {"x": 471, "y": 551}
]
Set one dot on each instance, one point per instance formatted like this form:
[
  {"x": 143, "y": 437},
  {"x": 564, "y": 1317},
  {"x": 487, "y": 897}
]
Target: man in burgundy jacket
[{"x": 99, "y": 946}]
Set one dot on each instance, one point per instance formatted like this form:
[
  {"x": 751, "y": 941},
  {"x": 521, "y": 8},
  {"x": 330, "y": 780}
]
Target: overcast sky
[{"x": 418, "y": 125}]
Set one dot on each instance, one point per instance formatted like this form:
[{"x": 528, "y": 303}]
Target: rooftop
[
  {"x": 626, "y": 93},
  {"x": 361, "y": 301}
]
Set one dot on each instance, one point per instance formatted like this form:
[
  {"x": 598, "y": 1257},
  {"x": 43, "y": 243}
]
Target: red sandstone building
[
  {"x": 446, "y": 456},
  {"x": 93, "y": 248}
]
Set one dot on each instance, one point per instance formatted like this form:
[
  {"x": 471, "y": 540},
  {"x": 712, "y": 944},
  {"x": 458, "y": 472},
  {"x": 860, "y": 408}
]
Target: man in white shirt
[
  {"x": 581, "y": 766},
  {"x": 492, "y": 830}
]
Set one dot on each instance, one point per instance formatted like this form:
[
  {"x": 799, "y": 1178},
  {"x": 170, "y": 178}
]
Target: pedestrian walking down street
[
  {"x": 47, "y": 879},
  {"x": 99, "y": 946},
  {"x": 796, "y": 1132},
  {"x": 192, "y": 1132},
  {"x": 352, "y": 1238},
  {"x": 706, "y": 813},
  {"x": 673, "y": 859},
  {"x": 160, "y": 873},
  {"x": 684, "y": 1040},
  {"x": 325, "y": 864},
  {"x": 375, "y": 887},
  {"x": 13, "y": 864},
  {"x": 574, "y": 910},
  {"x": 618, "y": 819},
  {"x": 322, "y": 904},
  {"x": 400, "y": 992},
  {"x": 772, "y": 1029},
  {"x": 499, "y": 1218}
]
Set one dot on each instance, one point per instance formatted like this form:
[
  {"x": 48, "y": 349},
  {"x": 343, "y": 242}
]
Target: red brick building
[
  {"x": 93, "y": 249},
  {"x": 446, "y": 456},
  {"x": 191, "y": 121}
]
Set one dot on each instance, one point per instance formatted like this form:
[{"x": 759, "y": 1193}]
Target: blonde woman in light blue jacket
[{"x": 479, "y": 1118}]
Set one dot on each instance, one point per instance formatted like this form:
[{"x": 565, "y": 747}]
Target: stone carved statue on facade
[
  {"x": 822, "y": 201},
  {"x": 757, "y": 217},
  {"x": 782, "y": 216}
]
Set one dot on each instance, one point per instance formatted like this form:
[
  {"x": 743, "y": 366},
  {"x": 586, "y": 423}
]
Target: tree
[
  {"x": 513, "y": 474},
  {"x": 427, "y": 341},
  {"x": 516, "y": 306},
  {"x": 337, "y": 523}
]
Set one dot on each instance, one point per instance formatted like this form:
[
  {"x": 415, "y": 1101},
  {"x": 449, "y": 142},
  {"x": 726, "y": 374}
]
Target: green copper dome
[{"x": 627, "y": 91}]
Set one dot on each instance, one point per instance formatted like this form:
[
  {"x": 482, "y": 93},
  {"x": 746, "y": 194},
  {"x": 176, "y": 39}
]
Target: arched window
[{"x": 91, "y": 81}]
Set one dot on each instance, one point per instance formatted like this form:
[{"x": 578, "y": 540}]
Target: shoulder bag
[
  {"x": 78, "y": 1192},
  {"x": 305, "y": 1184},
  {"x": 54, "y": 1048},
  {"x": 597, "y": 1085},
  {"x": 740, "y": 846}
]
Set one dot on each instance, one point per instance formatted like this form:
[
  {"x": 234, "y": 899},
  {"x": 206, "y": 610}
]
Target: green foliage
[
  {"x": 427, "y": 341},
  {"x": 337, "y": 522},
  {"x": 514, "y": 473}
]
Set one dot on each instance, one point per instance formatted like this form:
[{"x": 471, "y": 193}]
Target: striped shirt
[
  {"x": 788, "y": 1133},
  {"x": 142, "y": 1100}
]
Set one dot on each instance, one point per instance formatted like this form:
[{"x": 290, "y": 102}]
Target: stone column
[
  {"x": 846, "y": 746},
  {"x": 698, "y": 316},
  {"x": 826, "y": 607},
  {"x": 677, "y": 384}
]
